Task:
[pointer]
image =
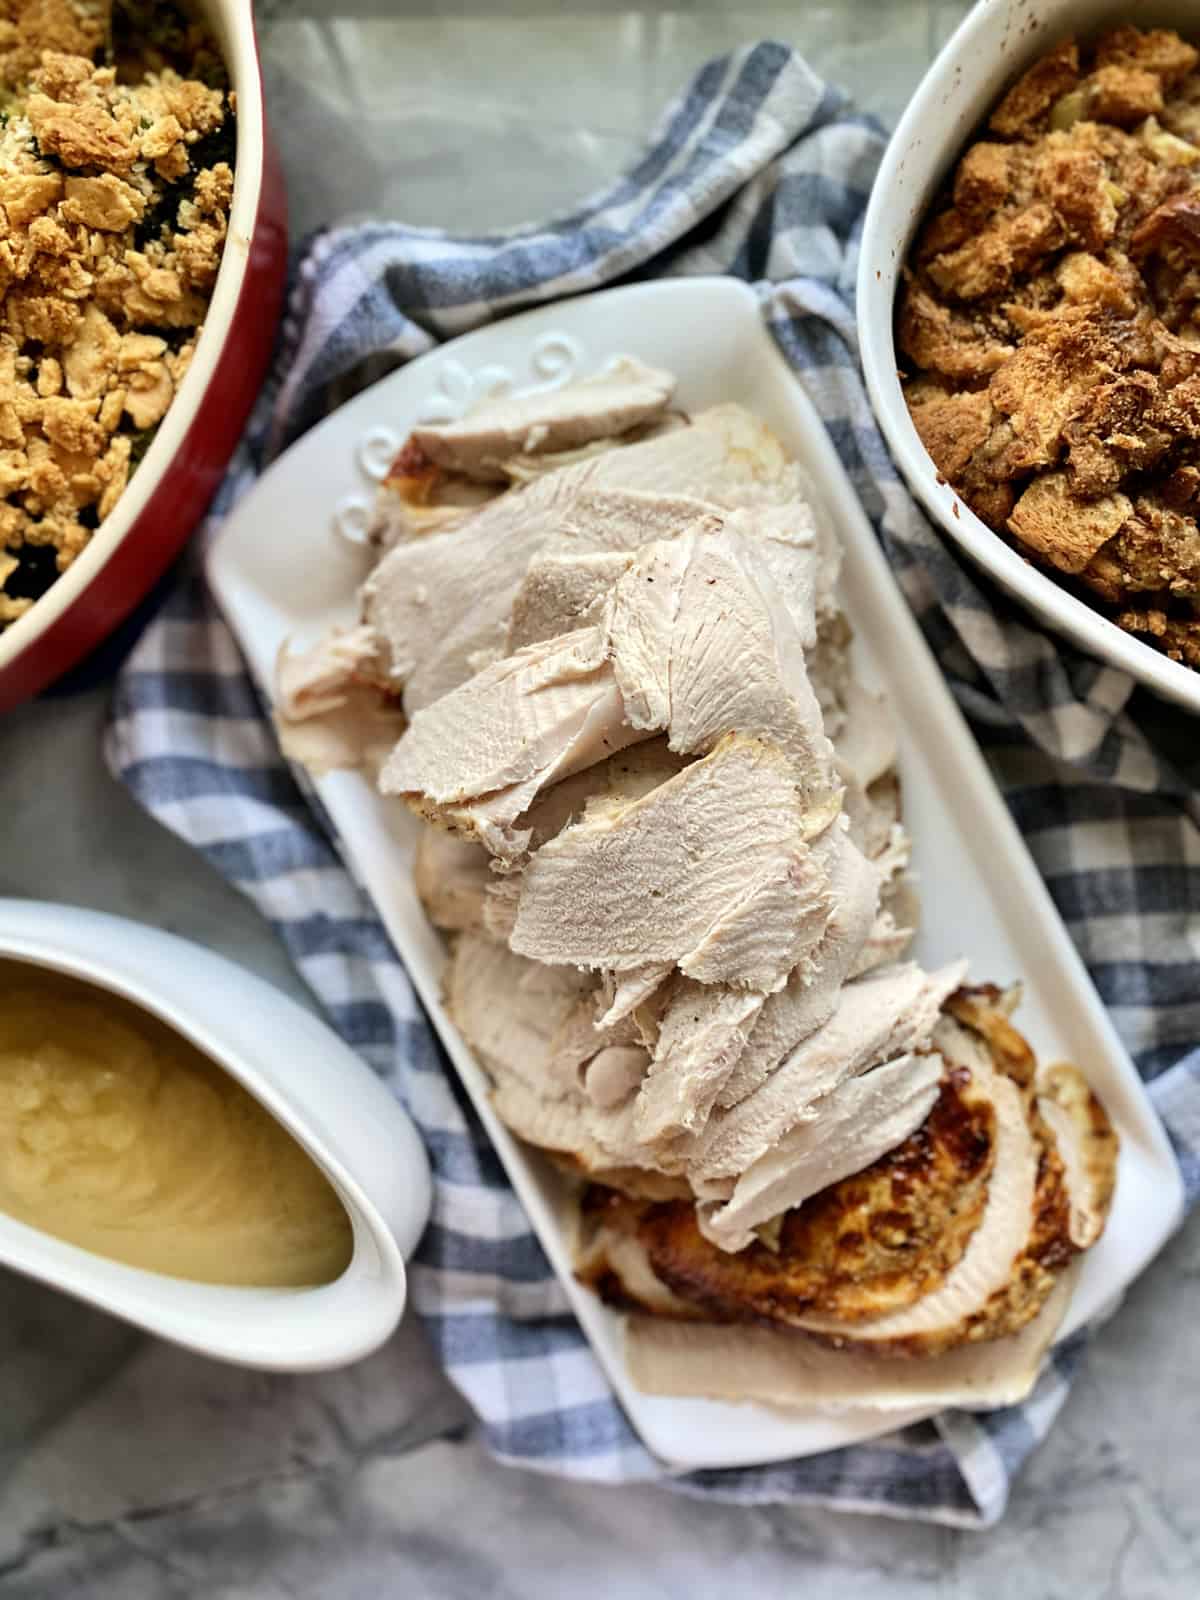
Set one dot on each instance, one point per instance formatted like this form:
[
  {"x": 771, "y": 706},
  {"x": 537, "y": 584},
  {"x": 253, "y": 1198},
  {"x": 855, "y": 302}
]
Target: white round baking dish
[
  {"x": 994, "y": 44},
  {"x": 316, "y": 1087}
]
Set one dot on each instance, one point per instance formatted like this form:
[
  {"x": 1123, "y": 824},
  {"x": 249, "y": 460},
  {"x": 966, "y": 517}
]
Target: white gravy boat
[{"x": 309, "y": 1080}]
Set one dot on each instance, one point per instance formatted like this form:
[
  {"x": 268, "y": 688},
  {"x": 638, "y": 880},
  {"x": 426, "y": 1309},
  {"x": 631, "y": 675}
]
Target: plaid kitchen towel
[{"x": 762, "y": 171}]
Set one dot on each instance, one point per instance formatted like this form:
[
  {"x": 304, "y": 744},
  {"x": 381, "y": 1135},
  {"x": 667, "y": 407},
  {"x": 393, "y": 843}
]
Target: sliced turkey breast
[
  {"x": 614, "y": 1073},
  {"x": 418, "y": 498},
  {"x": 432, "y": 604},
  {"x": 436, "y": 604},
  {"x": 561, "y": 593},
  {"x": 579, "y": 1039},
  {"x": 696, "y": 641},
  {"x": 1022, "y": 1242},
  {"x": 623, "y": 395},
  {"x": 615, "y": 1268},
  {"x": 610, "y": 519},
  {"x": 308, "y": 682},
  {"x": 801, "y": 554},
  {"x": 887, "y": 942},
  {"x": 716, "y": 1047},
  {"x": 809, "y": 997},
  {"x": 726, "y": 457},
  {"x": 867, "y": 740},
  {"x": 452, "y": 877},
  {"x": 328, "y": 711},
  {"x": 878, "y": 1018},
  {"x": 596, "y": 1138},
  {"x": 629, "y": 679},
  {"x": 868, "y": 1244},
  {"x": 873, "y": 812},
  {"x": 610, "y": 1259},
  {"x": 590, "y": 546},
  {"x": 677, "y": 876},
  {"x": 480, "y": 756},
  {"x": 702, "y": 1033},
  {"x": 500, "y": 907},
  {"x": 829, "y": 669},
  {"x": 963, "y": 1235},
  {"x": 626, "y": 992},
  {"x": 508, "y": 1010},
  {"x": 520, "y": 1020},
  {"x": 840, "y": 1134},
  {"x": 900, "y": 897},
  {"x": 524, "y": 468},
  {"x": 745, "y": 944},
  {"x": 703, "y": 642},
  {"x": 627, "y": 775},
  {"x": 639, "y": 1182},
  {"x": 357, "y": 735},
  {"x": 1087, "y": 1144}
]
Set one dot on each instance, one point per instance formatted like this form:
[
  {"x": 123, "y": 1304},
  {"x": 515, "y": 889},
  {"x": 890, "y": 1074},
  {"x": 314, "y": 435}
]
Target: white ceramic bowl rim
[
  {"x": 232, "y": 22},
  {"x": 993, "y": 44}
]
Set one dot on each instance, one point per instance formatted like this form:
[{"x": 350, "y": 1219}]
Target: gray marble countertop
[{"x": 251, "y": 1487}]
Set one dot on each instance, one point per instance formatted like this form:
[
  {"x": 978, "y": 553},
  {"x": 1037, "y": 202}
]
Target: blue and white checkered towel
[{"x": 761, "y": 171}]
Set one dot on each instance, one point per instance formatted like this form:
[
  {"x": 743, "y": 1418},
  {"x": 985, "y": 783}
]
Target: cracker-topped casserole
[
  {"x": 116, "y": 141},
  {"x": 1050, "y": 326}
]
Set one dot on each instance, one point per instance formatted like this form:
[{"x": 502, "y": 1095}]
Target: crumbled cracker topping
[
  {"x": 1050, "y": 320},
  {"x": 115, "y": 187}
]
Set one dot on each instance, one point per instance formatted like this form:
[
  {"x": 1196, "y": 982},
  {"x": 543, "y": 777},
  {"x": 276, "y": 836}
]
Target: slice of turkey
[
  {"x": 452, "y": 877},
  {"x": 438, "y": 605},
  {"x": 710, "y": 1037},
  {"x": 508, "y": 1010},
  {"x": 482, "y": 754},
  {"x": 621, "y": 1258},
  {"x": 627, "y": 775},
  {"x": 878, "y": 1018},
  {"x": 840, "y": 1134},
  {"x": 696, "y": 640},
  {"x": 308, "y": 682},
  {"x": 627, "y": 393},
  {"x": 702, "y": 1034},
  {"x": 809, "y": 997},
  {"x": 525, "y": 468},
  {"x": 997, "y": 1243},
  {"x": 704, "y": 641},
  {"x": 867, "y": 742},
  {"x": 561, "y": 593},
  {"x": 516, "y": 1015},
  {"x": 589, "y": 545},
  {"x": 712, "y": 870},
  {"x": 597, "y": 1139},
  {"x": 328, "y": 713},
  {"x": 776, "y": 1368},
  {"x": 579, "y": 1040},
  {"x": 1088, "y": 1145},
  {"x": 358, "y": 735},
  {"x": 567, "y": 582},
  {"x": 626, "y": 992}
]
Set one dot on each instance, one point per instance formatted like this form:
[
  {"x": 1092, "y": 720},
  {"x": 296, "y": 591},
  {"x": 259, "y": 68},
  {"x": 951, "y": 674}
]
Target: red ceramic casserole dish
[{"x": 168, "y": 493}]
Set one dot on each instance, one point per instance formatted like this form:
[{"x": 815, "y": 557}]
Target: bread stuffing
[
  {"x": 1049, "y": 327},
  {"x": 663, "y": 833},
  {"x": 116, "y": 148}
]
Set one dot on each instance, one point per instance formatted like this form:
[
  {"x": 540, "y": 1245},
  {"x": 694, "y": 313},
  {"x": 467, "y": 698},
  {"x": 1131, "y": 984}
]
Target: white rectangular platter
[{"x": 288, "y": 563}]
